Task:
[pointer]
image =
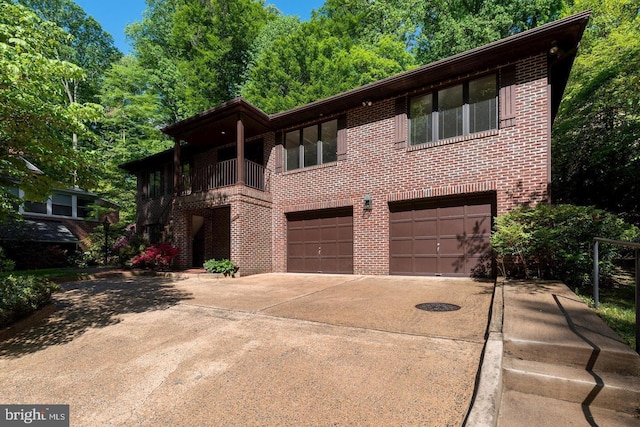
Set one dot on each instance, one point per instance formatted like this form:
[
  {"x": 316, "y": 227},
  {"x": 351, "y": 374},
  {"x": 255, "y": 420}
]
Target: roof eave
[{"x": 509, "y": 49}]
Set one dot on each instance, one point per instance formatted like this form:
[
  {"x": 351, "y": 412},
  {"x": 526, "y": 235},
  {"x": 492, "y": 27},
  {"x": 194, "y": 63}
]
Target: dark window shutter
[
  {"x": 279, "y": 152},
  {"x": 342, "y": 138},
  {"x": 508, "y": 96},
  {"x": 401, "y": 123}
]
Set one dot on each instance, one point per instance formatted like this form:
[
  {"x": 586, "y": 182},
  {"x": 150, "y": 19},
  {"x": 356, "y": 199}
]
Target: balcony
[{"x": 222, "y": 174}]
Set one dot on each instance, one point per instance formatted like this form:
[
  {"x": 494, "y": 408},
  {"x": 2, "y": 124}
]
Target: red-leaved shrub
[{"x": 156, "y": 257}]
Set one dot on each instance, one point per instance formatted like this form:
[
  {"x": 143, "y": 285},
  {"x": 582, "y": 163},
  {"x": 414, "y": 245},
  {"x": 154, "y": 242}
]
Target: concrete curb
[
  {"x": 486, "y": 405},
  {"x": 32, "y": 319}
]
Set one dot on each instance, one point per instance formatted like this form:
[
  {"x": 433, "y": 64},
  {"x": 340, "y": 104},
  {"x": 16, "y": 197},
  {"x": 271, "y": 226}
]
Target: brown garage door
[
  {"x": 440, "y": 237},
  {"x": 320, "y": 241}
]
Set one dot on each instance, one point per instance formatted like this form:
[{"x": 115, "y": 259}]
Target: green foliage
[
  {"x": 450, "y": 27},
  {"x": 222, "y": 266},
  {"x": 335, "y": 51},
  {"x": 617, "y": 309},
  {"x": 89, "y": 46},
  {"x": 129, "y": 130},
  {"x": 20, "y": 296},
  {"x": 5, "y": 263},
  {"x": 197, "y": 51},
  {"x": 33, "y": 122},
  {"x": 596, "y": 139},
  {"x": 555, "y": 242},
  {"x": 123, "y": 245}
]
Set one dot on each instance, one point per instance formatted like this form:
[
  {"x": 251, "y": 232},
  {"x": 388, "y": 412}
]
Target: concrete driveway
[{"x": 275, "y": 349}]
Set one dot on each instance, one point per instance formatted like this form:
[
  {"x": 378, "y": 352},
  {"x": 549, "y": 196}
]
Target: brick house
[{"x": 400, "y": 176}]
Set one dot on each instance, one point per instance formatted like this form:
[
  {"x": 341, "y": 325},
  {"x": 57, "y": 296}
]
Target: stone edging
[
  {"x": 486, "y": 404},
  {"x": 32, "y": 319}
]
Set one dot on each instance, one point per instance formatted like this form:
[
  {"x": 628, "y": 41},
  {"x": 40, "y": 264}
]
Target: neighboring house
[
  {"x": 63, "y": 222},
  {"x": 400, "y": 176}
]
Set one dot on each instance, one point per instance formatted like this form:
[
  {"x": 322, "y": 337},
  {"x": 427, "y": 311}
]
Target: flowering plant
[{"x": 156, "y": 257}]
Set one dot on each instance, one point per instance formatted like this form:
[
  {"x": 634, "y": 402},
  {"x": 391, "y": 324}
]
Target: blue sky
[{"x": 114, "y": 15}]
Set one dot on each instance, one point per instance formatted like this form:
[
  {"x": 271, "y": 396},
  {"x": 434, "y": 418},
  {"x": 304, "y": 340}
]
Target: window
[
  {"x": 35, "y": 207},
  {"x": 84, "y": 207},
  {"x": 155, "y": 183},
  {"x": 483, "y": 105},
  {"x": 61, "y": 205},
  {"x": 15, "y": 192},
  {"x": 458, "y": 110},
  {"x": 312, "y": 145}
]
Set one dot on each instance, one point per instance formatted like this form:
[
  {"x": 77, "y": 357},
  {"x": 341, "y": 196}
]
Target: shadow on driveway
[{"x": 93, "y": 304}]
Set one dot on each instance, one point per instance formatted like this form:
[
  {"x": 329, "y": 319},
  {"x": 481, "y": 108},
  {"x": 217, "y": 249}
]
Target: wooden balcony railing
[{"x": 222, "y": 174}]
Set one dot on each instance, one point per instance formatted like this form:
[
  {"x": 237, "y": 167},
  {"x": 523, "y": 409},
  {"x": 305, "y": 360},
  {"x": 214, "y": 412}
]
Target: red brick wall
[{"x": 511, "y": 162}]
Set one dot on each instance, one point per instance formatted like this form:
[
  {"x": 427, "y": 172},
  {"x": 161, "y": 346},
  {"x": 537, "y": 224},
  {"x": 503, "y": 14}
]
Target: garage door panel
[
  {"x": 310, "y": 249},
  {"x": 328, "y": 233},
  {"x": 478, "y": 226},
  {"x": 296, "y": 264},
  {"x": 401, "y": 264},
  {"x": 401, "y": 246},
  {"x": 451, "y": 226},
  {"x": 478, "y": 209},
  {"x": 345, "y": 265},
  {"x": 328, "y": 249},
  {"x": 402, "y": 229},
  {"x": 425, "y": 228},
  {"x": 320, "y": 241},
  {"x": 451, "y": 211},
  {"x": 425, "y": 265},
  {"x": 451, "y": 245},
  {"x": 425, "y": 246},
  {"x": 447, "y": 236},
  {"x": 402, "y": 215},
  {"x": 345, "y": 232},
  {"x": 345, "y": 249}
]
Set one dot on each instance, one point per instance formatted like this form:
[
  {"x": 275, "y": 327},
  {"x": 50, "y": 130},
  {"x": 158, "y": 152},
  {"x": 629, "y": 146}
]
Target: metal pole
[
  {"x": 596, "y": 278},
  {"x": 637, "y": 301},
  {"x": 106, "y": 242}
]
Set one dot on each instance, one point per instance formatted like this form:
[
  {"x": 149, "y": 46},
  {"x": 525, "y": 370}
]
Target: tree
[
  {"x": 596, "y": 139},
  {"x": 449, "y": 27},
  {"x": 335, "y": 51},
  {"x": 90, "y": 47},
  {"x": 129, "y": 130},
  {"x": 197, "y": 51},
  {"x": 33, "y": 124}
]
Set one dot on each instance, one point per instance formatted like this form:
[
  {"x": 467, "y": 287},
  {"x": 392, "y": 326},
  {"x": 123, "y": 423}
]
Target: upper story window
[
  {"x": 84, "y": 207},
  {"x": 312, "y": 145},
  {"x": 459, "y": 110},
  {"x": 35, "y": 207},
  {"x": 61, "y": 204},
  {"x": 58, "y": 204},
  {"x": 154, "y": 181}
]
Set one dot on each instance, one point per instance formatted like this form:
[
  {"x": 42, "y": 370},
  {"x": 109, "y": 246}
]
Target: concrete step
[
  {"x": 594, "y": 388},
  {"x": 614, "y": 357},
  {"x": 529, "y": 410}
]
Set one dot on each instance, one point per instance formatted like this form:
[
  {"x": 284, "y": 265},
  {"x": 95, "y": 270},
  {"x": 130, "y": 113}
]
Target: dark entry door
[
  {"x": 440, "y": 236},
  {"x": 320, "y": 241}
]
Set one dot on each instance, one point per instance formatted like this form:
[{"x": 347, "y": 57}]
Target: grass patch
[
  {"x": 617, "y": 306},
  {"x": 49, "y": 273}
]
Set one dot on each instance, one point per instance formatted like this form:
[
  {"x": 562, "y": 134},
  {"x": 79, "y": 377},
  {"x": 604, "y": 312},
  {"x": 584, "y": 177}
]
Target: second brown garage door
[
  {"x": 320, "y": 241},
  {"x": 440, "y": 237}
]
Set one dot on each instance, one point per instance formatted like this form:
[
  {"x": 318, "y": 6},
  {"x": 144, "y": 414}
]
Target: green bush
[
  {"x": 123, "y": 245},
  {"x": 20, "y": 296},
  {"x": 5, "y": 263},
  {"x": 223, "y": 266},
  {"x": 556, "y": 242}
]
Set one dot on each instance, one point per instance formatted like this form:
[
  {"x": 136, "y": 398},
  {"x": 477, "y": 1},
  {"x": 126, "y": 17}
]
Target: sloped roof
[
  {"x": 37, "y": 231},
  {"x": 559, "y": 39}
]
